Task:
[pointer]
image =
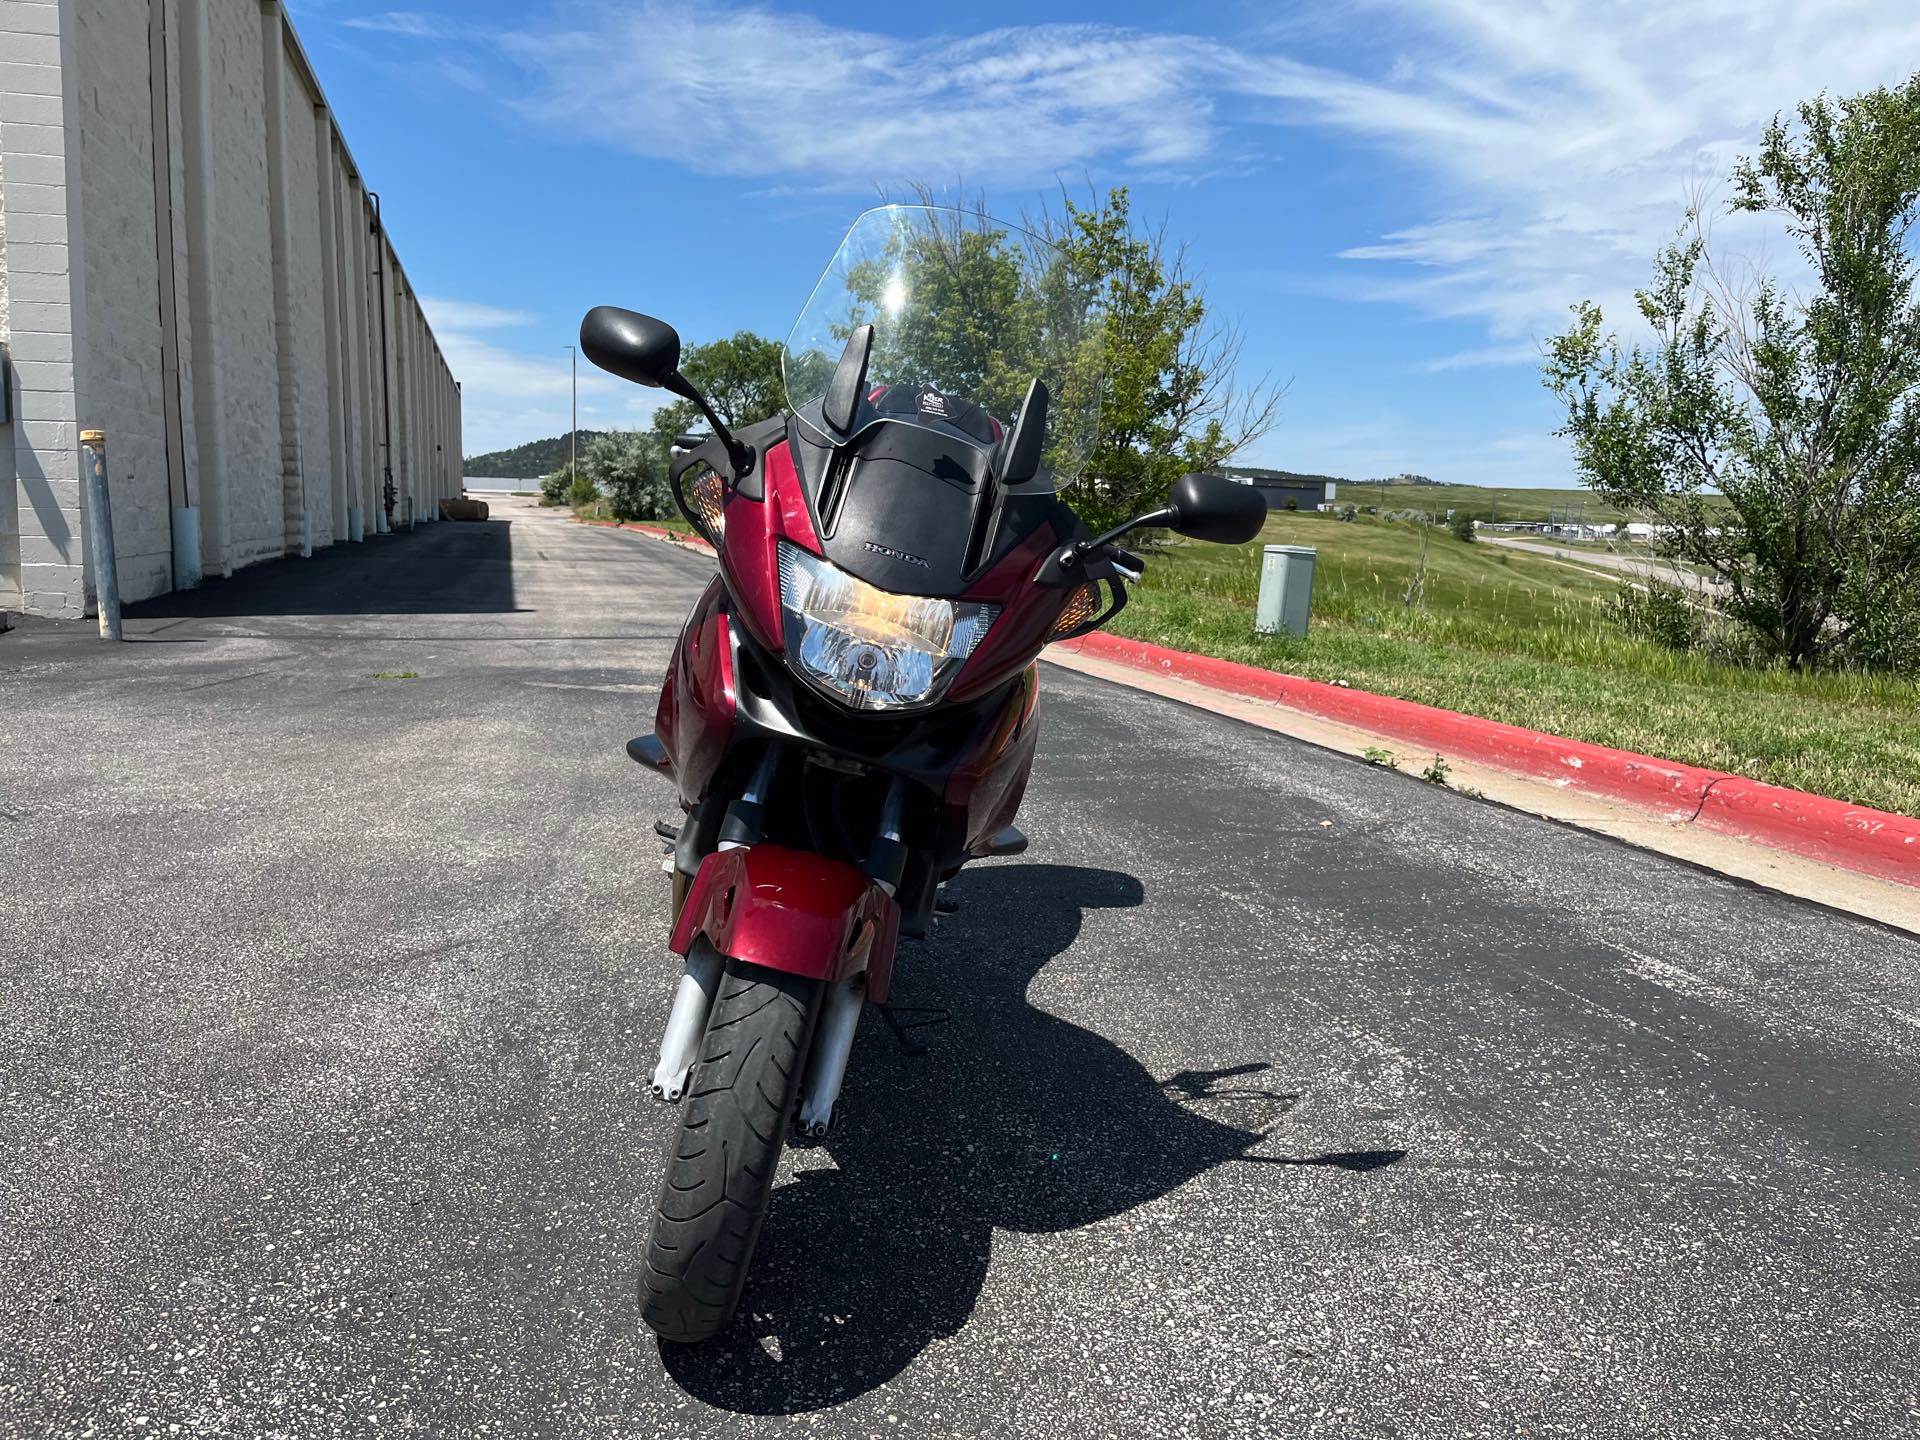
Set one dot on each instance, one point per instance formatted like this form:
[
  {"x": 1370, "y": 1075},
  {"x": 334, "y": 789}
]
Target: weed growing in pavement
[
  {"x": 1374, "y": 755},
  {"x": 396, "y": 675},
  {"x": 1437, "y": 772}
]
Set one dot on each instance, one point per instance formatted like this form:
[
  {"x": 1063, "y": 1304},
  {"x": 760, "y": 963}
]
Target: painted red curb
[
  {"x": 1832, "y": 831},
  {"x": 658, "y": 532}
]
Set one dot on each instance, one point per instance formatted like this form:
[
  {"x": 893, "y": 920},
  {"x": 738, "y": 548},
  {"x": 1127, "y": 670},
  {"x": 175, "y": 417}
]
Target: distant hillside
[{"x": 526, "y": 462}]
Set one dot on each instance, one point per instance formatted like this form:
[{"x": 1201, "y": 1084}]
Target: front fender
[{"x": 789, "y": 910}]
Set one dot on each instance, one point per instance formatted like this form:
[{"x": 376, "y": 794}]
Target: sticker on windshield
[{"x": 932, "y": 402}]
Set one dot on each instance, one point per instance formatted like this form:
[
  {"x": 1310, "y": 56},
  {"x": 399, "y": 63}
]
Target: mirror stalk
[
  {"x": 737, "y": 454},
  {"x": 1165, "y": 515}
]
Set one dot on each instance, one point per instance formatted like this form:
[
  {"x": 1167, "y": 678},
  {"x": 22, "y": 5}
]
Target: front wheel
[{"x": 721, "y": 1164}]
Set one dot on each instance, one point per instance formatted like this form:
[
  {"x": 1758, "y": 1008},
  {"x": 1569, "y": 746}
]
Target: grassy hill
[
  {"x": 526, "y": 462},
  {"x": 1483, "y": 502},
  {"x": 1532, "y": 641}
]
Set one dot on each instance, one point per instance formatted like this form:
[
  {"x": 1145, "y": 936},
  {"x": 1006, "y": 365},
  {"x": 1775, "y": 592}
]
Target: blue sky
[{"x": 1395, "y": 200}]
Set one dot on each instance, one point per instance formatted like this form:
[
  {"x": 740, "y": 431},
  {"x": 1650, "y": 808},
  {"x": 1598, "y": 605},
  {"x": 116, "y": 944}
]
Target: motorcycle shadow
[{"x": 1013, "y": 1119}]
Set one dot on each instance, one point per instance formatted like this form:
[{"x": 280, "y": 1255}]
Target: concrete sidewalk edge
[{"x": 1834, "y": 832}]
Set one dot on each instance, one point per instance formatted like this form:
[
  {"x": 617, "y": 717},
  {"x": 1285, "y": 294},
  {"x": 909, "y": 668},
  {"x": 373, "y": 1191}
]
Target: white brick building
[{"x": 191, "y": 261}]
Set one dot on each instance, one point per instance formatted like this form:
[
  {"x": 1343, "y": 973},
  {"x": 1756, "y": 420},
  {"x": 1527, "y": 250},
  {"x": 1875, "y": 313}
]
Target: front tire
[{"x": 721, "y": 1164}]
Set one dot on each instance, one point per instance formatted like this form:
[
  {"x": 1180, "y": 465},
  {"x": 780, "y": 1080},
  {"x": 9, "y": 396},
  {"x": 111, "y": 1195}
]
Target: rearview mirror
[
  {"x": 1212, "y": 507},
  {"x": 646, "y": 351},
  {"x": 633, "y": 346}
]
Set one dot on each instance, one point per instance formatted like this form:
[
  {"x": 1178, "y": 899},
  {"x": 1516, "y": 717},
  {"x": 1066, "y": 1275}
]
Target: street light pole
[{"x": 573, "y": 435}]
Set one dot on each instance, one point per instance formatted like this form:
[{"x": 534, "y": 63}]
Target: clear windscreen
[{"x": 964, "y": 306}]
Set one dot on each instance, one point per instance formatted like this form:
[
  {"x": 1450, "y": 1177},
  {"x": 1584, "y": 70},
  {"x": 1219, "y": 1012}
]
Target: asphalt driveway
[{"x": 1282, "y": 1095}]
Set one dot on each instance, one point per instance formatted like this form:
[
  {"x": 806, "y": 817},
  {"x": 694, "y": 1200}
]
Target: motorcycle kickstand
[{"x": 938, "y": 1015}]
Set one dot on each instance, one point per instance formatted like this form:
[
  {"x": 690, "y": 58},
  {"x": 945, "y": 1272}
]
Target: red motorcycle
[{"x": 849, "y": 714}]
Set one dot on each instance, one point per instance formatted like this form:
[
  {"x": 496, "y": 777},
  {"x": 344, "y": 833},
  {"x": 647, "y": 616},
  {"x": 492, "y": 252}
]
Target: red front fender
[{"x": 789, "y": 910}]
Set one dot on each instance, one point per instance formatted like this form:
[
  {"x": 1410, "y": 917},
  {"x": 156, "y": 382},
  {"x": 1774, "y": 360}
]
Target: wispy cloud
[
  {"x": 1550, "y": 143},
  {"x": 413, "y": 24},
  {"x": 758, "y": 94},
  {"x": 1564, "y": 139},
  {"x": 468, "y": 315}
]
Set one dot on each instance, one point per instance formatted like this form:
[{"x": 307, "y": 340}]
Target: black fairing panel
[{"x": 912, "y": 510}]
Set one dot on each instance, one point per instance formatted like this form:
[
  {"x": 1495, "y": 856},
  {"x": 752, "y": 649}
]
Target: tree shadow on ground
[{"x": 1012, "y": 1119}]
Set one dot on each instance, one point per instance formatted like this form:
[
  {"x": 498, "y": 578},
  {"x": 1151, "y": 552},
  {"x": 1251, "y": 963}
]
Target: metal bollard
[
  {"x": 106, "y": 574},
  {"x": 186, "y": 547},
  {"x": 1286, "y": 589}
]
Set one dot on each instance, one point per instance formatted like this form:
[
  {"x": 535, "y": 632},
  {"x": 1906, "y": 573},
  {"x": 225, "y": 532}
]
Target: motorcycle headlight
[{"x": 867, "y": 647}]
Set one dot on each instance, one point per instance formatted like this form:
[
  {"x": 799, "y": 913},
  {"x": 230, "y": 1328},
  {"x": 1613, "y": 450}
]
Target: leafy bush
[
  {"x": 632, "y": 468},
  {"x": 1660, "y": 612},
  {"x": 582, "y": 492},
  {"x": 1461, "y": 524},
  {"x": 554, "y": 487}
]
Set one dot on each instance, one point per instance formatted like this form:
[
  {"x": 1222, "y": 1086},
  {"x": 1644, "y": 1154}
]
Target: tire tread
[{"x": 723, "y": 1156}]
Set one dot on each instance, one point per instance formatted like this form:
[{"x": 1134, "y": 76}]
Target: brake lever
[{"x": 1129, "y": 566}]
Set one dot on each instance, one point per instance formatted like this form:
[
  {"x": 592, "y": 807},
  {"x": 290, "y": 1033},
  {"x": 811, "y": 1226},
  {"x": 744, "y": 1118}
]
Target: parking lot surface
[{"x": 1282, "y": 1095}]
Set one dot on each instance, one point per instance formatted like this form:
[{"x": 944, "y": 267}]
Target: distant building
[{"x": 1307, "y": 492}]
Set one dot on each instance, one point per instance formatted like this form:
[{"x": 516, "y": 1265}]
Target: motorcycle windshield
[{"x": 967, "y": 311}]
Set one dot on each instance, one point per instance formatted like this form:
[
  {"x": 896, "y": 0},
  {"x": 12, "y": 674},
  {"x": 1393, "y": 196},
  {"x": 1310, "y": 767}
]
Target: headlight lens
[{"x": 869, "y": 648}]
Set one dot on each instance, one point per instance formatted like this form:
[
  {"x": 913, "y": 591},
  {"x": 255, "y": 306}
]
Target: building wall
[
  {"x": 308, "y": 342},
  {"x": 9, "y": 488},
  {"x": 278, "y": 403},
  {"x": 246, "y": 346},
  {"x": 119, "y": 247},
  {"x": 40, "y": 208}
]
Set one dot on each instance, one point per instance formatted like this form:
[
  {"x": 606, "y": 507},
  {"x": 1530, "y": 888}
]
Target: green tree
[
  {"x": 1111, "y": 313},
  {"x": 1775, "y": 431},
  {"x": 1461, "y": 524},
  {"x": 739, "y": 375},
  {"x": 581, "y": 491},
  {"x": 1173, "y": 400}
]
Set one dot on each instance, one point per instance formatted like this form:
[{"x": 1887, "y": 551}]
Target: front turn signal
[
  {"x": 1081, "y": 607},
  {"x": 707, "y": 506}
]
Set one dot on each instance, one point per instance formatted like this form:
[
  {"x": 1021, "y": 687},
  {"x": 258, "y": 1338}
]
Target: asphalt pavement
[{"x": 1282, "y": 1095}]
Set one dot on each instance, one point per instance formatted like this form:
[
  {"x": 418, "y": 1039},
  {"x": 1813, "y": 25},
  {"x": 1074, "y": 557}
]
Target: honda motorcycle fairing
[{"x": 851, "y": 710}]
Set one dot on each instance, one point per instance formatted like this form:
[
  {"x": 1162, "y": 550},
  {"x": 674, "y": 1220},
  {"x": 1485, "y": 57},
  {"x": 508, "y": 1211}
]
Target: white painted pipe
[
  {"x": 380, "y": 520},
  {"x": 306, "y": 534},
  {"x": 106, "y": 571},
  {"x": 186, "y": 547},
  {"x": 356, "y": 525}
]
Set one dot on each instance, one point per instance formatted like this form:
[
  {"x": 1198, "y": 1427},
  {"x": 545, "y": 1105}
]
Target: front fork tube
[
  {"x": 845, "y": 999},
  {"x": 832, "y": 1048},
  {"x": 827, "y": 1058},
  {"x": 693, "y": 1000},
  {"x": 687, "y": 1021}
]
